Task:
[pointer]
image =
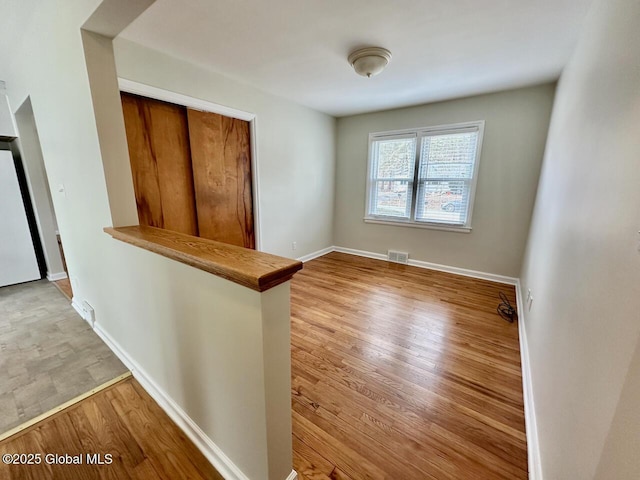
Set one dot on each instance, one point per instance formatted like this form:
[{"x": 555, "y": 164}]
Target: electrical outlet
[{"x": 294, "y": 245}]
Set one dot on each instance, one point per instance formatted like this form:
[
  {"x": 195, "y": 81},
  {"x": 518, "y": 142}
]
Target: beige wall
[
  {"x": 295, "y": 147},
  {"x": 212, "y": 346},
  {"x": 46, "y": 63},
  {"x": 582, "y": 263},
  {"x": 185, "y": 327},
  {"x": 620, "y": 459},
  {"x": 217, "y": 350},
  {"x": 109, "y": 120},
  {"x": 514, "y": 137}
]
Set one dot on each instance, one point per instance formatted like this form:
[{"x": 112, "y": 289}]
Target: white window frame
[{"x": 419, "y": 133}]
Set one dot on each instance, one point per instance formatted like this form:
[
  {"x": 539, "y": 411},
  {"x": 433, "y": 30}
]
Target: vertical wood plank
[
  {"x": 221, "y": 157},
  {"x": 158, "y": 140}
]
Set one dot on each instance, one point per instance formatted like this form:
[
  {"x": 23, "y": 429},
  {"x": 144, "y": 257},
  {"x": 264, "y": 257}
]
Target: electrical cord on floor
[{"x": 505, "y": 309}]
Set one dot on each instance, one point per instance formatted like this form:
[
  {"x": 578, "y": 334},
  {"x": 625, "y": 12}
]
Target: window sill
[{"x": 430, "y": 226}]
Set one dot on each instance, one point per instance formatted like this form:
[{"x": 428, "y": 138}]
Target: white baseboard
[
  {"x": 435, "y": 266},
  {"x": 54, "y": 277},
  {"x": 293, "y": 475},
  {"x": 319, "y": 253},
  {"x": 209, "y": 449},
  {"x": 360, "y": 253},
  {"x": 465, "y": 272},
  {"x": 79, "y": 309},
  {"x": 533, "y": 447}
]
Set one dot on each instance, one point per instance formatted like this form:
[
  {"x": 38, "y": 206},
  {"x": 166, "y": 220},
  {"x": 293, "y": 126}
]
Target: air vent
[{"x": 397, "y": 257}]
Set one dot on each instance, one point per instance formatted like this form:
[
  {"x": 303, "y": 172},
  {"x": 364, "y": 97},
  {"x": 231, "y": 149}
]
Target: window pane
[
  {"x": 394, "y": 158},
  {"x": 391, "y": 198},
  {"x": 445, "y": 173},
  {"x": 443, "y": 202},
  {"x": 424, "y": 175},
  {"x": 449, "y": 170},
  {"x": 448, "y": 156}
]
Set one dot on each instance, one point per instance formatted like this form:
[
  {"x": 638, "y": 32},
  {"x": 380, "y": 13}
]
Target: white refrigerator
[{"x": 18, "y": 262}]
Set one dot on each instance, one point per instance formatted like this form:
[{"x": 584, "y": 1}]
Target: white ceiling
[{"x": 298, "y": 49}]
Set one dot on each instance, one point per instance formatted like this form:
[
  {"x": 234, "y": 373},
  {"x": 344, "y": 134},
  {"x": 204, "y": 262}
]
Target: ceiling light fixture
[{"x": 369, "y": 61}]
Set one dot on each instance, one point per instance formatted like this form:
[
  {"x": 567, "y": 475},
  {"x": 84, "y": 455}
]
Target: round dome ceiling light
[{"x": 369, "y": 61}]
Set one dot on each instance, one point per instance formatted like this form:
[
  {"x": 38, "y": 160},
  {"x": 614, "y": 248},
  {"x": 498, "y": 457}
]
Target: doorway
[{"x": 27, "y": 147}]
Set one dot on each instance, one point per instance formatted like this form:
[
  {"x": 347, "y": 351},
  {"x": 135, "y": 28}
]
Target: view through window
[{"x": 424, "y": 176}]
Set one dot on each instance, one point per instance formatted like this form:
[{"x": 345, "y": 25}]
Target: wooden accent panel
[
  {"x": 122, "y": 421},
  {"x": 221, "y": 157},
  {"x": 403, "y": 373},
  {"x": 158, "y": 140},
  {"x": 256, "y": 270}
]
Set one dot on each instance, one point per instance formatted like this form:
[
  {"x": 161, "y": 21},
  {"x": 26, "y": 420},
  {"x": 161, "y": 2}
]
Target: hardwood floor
[
  {"x": 122, "y": 421},
  {"x": 64, "y": 286},
  {"x": 403, "y": 373},
  {"x": 397, "y": 373}
]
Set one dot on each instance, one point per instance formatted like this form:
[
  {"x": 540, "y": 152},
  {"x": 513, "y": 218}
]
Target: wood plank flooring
[
  {"x": 64, "y": 286},
  {"x": 403, "y": 373},
  {"x": 122, "y": 421}
]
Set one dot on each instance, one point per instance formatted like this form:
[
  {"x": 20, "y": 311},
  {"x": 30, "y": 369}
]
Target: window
[{"x": 424, "y": 177}]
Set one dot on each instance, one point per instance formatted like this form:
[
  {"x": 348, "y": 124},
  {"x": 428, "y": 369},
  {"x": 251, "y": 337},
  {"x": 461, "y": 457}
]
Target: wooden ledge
[{"x": 256, "y": 270}]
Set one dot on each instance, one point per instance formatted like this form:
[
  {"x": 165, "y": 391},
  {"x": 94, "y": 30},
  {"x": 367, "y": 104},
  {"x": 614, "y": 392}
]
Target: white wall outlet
[{"x": 294, "y": 245}]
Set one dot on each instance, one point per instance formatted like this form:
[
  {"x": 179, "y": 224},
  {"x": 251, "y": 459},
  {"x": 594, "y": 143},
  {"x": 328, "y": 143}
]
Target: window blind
[
  {"x": 444, "y": 178},
  {"x": 424, "y": 176},
  {"x": 392, "y": 179}
]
